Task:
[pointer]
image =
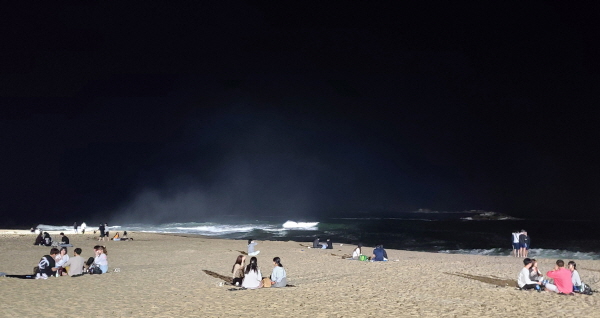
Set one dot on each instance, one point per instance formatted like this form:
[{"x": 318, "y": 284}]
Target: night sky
[{"x": 157, "y": 112}]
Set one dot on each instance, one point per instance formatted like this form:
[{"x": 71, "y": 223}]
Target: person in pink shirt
[{"x": 562, "y": 279}]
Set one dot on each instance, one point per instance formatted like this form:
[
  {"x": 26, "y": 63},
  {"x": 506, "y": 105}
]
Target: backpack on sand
[{"x": 585, "y": 289}]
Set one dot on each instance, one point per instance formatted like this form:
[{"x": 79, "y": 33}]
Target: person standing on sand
[
  {"x": 102, "y": 232},
  {"x": 522, "y": 244},
  {"x": 515, "y": 244},
  {"x": 106, "y": 232},
  {"x": 75, "y": 227},
  {"x": 83, "y": 226},
  {"x": 562, "y": 279}
]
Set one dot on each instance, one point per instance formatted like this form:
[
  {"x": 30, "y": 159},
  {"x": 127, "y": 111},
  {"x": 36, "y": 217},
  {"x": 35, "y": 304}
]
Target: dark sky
[{"x": 158, "y": 112}]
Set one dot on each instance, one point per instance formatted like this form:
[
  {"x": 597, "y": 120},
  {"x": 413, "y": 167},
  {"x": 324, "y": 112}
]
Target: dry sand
[{"x": 162, "y": 276}]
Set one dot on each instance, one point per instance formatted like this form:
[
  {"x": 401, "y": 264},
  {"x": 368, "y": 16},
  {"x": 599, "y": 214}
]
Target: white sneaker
[
  {"x": 44, "y": 276},
  {"x": 38, "y": 276}
]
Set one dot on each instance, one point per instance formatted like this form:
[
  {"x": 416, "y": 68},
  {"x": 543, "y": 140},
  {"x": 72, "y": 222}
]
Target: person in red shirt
[{"x": 562, "y": 279}]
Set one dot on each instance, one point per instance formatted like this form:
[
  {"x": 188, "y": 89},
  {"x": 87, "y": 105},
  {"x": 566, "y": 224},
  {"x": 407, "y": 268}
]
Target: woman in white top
[
  {"x": 61, "y": 259},
  {"x": 534, "y": 273},
  {"x": 252, "y": 275},
  {"x": 575, "y": 276},
  {"x": 278, "y": 276},
  {"x": 101, "y": 258},
  {"x": 357, "y": 251}
]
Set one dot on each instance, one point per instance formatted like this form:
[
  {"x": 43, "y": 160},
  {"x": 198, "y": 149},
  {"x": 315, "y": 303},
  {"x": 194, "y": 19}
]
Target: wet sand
[{"x": 163, "y": 275}]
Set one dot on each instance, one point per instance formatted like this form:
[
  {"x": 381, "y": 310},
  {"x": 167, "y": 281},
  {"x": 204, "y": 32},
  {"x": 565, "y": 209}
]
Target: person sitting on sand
[
  {"x": 116, "y": 237},
  {"x": 46, "y": 266},
  {"x": 534, "y": 273},
  {"x": 74, "y": 264},
  {"x": 61, "y": 259},
  {"x": 101, "y": 258},
  {"x": 64, "y": 240},
  {"x": 238, "y": 270},
  {"x": 317, "y": 243},
  {"x": 524, "y": 280},
  {"x": 575, "y": 279},
  {"x": 251, "y": 245},
  {"x": 329, "y": 244},
  {"x": 252, "y": 275},
  {"x": 379, "y": 254},
  {"x": 357, "y": 251},
  {"x": 39, "y": 240},
  {"x": 47, "y": 239},
  {"x": 278, "y": 276},
  {"x": 562, "y": 279}
]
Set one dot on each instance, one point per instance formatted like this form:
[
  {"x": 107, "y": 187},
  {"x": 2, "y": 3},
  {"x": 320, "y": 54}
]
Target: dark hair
[
  {"x": 573, "y": 263},
  {"x": 527, "y": 261},
  {"x": 249, "y": 241},
  {"x": 61, "y": 233},
  {"x": 64, "y": 248},
  {"x": 78, "y": 251},
  {"x": 237, "y": 261},
  {"x": 277, "y": 261},
  {"x": 100, "y": 247},
  {"x": 53, "y": 251},
  {"x": 252, "y": 266},
  {"x": 560, "y": 263}
]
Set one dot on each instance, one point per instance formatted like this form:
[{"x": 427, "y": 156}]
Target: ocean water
[{"x": 430, "y": 232}]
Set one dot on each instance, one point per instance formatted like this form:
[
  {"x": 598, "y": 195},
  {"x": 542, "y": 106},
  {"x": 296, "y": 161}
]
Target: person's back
[
  {"x": 279, "y": 277},
  {"x": 64, "y": 239},
  {"x": 75, "y": 264},
  {"x": 316, "y": 243},
  {"x": 378, "y": 254},
  {"x": 562, "y": 279},
  {"x": 251, "y": 245},
  {"x": 329, "y": 244}
]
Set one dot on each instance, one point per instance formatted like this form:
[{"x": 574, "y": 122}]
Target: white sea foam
[
  {"x": 533, "y": 253},
  {"x": 299, "y": 225}
]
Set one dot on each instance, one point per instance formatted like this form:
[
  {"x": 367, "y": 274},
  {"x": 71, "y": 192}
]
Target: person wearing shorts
[
  {"x": 523, "y": 243},
  {"x": 515, "y": 244}
]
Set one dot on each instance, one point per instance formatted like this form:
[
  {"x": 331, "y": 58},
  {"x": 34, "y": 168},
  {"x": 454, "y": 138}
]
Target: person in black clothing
[
  {"x": 316, "y": 243},
  {"x": 46, "y": 266},
  {"x": 47, "y": 239},
  {"x": 75, "y": 227},
  {"x": 102, "y": 233},
  {"x": 64, "y": 239},
  {"x": 329, "y": 244},
  {"x": 39, "y": 240}
]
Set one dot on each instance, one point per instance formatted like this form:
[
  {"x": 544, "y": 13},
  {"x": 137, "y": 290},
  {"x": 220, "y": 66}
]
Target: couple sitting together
[
  {"x": 566, "y": 281},
  {"x": 251, "y": 278}
]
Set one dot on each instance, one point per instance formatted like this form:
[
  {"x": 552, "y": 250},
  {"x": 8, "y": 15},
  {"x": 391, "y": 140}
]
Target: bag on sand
[
  {"x": 363, "y": 258},
  {"x": 95, "y": 269},
  {"x": 585, "y": 289},
  {"x": 266, "y": 282}
]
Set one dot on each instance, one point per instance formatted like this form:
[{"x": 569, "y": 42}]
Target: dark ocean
[{"x": 430, "y": 232}]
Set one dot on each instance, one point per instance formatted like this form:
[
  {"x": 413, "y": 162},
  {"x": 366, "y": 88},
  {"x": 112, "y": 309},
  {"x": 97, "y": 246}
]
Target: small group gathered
[
  {"x": 521, "y": 242},
  {"x": 44, "y": 239},
  {"x": 59, "y": 263},
  {"x": 379, "y": 254},
  {"x": 559, "y": 280},
  {"x": 250, "y": 277}
]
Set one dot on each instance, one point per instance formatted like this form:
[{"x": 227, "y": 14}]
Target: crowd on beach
[
  {"x": 250, "y": 277},
  {"x": 521, "y": 242},
  {"x": 565, "y": 280}
]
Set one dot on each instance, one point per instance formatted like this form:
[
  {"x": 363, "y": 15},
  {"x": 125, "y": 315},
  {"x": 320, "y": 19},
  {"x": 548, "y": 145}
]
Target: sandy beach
[{"x": 164, "y": 276}]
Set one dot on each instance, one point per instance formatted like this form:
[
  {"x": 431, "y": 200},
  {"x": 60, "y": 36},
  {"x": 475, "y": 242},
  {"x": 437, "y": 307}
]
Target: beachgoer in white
[
  {"x": 515, "y": 244},
  {"x": 83, "y": 225},
  {"x": 575, "y": 276},
  {"x": 251, "y": 245},
  {"x": 252, "y": 275},
  {"x": 524, "y": 281}
]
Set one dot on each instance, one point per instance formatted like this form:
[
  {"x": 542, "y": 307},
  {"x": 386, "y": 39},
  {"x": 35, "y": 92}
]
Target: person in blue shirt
[{"x": 379, "y": 254}]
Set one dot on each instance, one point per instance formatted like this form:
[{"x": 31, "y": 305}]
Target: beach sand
[{"x": 163, "y": 276}]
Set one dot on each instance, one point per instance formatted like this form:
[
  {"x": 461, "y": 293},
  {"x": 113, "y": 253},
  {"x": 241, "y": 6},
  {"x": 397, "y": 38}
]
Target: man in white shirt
[{"x": 524, "y": 281}]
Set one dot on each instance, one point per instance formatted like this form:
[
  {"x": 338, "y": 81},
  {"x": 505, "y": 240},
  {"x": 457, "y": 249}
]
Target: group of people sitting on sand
[
  {"x": 565, "y": 280},
  {"x": 250, "y": 277},
  {"x": 59, "y": 263},
  {"x": 379, "y": 254}
]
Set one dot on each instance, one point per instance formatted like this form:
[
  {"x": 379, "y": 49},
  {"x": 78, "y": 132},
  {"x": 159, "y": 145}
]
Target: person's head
[
  {"x": 360, "y": 245},
  {"x": 253, "y": 266},
  {"x": 77, "y": 251},
  {"x": 99, "y": 249},
  {"x": 560, "y": 263},
  {"x": 53, "y": 251},
  {"x": 572, "y": 265},
  {"x": 63, "y": 251},
  {"x": 239, "y": 261},
  {"x": 277, "y": 262},
  {"x": 533, "y": 262},
  {"x": 250, "y": 241},
  {"x": 527, "y": 262},
  {"x": 62, "y": 234}
]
